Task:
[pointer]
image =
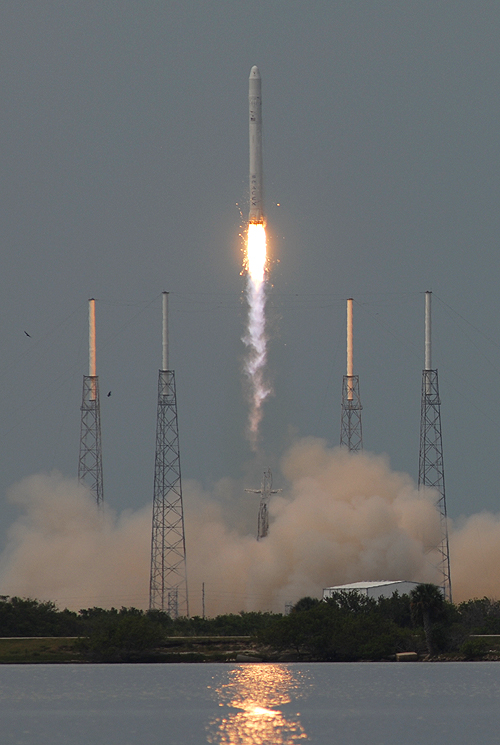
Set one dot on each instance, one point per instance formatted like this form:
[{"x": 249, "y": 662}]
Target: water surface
[{"x": 249, "y": 704}]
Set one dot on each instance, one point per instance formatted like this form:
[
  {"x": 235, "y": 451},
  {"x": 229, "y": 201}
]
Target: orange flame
[{"x": 256, "y": 252}]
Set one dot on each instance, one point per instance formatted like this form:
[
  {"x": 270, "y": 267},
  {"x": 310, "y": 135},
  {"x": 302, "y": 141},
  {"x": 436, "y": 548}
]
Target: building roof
[{"x": 367, "y": 585}]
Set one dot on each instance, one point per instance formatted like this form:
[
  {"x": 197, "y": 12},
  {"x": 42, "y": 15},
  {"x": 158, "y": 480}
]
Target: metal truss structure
[
  {"x": 431, "y": 465},
  {"x": 351, "y": 432},
  {"x": 90, "y": 460},
  {"x": 263, "y": 519},
  {"x": 265, "y": 492},
  {"x": 168, "y": 581}
]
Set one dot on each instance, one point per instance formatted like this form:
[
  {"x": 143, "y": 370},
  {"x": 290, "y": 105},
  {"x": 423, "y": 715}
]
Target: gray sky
[{"x": 124, "y": 166}]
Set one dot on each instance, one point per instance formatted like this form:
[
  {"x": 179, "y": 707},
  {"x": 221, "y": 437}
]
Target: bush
[
  {"x": 474, "y": 649},
  {"x": 344, "y": 628},
  {"x": 27, "y": 617},
  {"x": 117, "y": 636},
  {"x": 480, "y": 616}
]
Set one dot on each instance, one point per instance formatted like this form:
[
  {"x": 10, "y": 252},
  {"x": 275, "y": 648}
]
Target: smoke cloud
[
  {"x": 341, "y": 518},
  {"x": 63, "y": 548},
  {"x": 475, "y": 557}
]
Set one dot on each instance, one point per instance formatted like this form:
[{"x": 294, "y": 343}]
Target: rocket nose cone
[{"x": 254, "y": 72}]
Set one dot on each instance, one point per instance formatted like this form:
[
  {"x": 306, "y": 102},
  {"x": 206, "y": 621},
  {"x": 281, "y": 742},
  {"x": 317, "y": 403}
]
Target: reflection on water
[{"x": 256, "y": 693}]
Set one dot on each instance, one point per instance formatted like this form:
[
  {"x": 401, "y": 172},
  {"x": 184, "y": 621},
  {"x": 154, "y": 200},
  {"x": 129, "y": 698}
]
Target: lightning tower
[
  {"x": 265, "y": 491},
  {"x": 168, "y": 581},
  {"x": 431, "y": 466},
  {"x": 351, "y": 433},
  {"x": 90, "y": 460}
]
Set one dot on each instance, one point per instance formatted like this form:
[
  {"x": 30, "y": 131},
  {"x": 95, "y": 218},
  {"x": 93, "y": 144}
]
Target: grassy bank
[
  {"x": 28, "y": 650},
  {"x": 60, "y": 650},
  {"x": 40, "y": 649}
]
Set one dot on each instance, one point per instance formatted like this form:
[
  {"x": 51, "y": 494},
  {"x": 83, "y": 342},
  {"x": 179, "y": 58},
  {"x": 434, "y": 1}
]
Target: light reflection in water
[{"x": 257, "y": 692}]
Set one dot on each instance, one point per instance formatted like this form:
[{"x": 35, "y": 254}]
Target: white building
[{"x": 377, "y": 589}]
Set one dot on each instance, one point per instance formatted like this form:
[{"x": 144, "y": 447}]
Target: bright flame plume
[{"x": 255, "y": 337}]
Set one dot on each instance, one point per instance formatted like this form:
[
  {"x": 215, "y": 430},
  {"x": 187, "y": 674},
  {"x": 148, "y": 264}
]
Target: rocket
[{"x": 255, "y": 130}]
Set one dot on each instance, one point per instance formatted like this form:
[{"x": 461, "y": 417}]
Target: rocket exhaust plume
[
  {"x": 255, "y": 264},
  {"x": 255, "y": 337}
]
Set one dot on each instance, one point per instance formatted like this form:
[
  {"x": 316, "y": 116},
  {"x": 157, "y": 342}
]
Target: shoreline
[{"x": 186, "y": 650}]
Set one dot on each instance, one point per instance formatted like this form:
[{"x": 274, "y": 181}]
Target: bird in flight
[
  {"x": 27, "y": 334},
  {"x": 109, "y": 394}
]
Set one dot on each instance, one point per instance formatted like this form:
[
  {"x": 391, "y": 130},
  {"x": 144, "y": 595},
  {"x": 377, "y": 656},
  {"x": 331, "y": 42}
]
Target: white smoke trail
[{"x": 255, "y": 338}]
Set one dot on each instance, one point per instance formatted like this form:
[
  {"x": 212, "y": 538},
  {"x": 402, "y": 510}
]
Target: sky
[{"x": 124, "y": 173}]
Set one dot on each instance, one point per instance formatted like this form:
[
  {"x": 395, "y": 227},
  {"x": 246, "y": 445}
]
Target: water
[{"x": 375, "y": 703}]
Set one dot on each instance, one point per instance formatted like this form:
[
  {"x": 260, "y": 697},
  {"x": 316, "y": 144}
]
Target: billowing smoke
[
  {"x": 340, "y": 518},
  {"x": 343, "y": 518},
  {"x": 64, "y": 549},
  {"x": 475, "y": 557}
]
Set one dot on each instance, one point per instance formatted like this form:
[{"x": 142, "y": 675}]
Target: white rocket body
[{"x": 255, "y": 128}]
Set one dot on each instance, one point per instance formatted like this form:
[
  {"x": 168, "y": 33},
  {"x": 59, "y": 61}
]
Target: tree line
[
  {"x": 350, "y": 626},
  {"x": 346, "y": 627}
]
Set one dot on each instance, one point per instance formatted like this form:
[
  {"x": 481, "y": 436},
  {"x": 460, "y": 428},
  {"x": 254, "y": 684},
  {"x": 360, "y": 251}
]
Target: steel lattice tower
[
  {"x": 168, "y": 582},
  {"x": 431, "y": 464},
  {"x": 265, "y": 492},
  {"x": 90, "y": 460},
  {"x": 351, "y": 432}
]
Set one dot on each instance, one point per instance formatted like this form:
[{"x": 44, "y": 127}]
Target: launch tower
[
  {"x": 431, "y": 466},
  {"x": 265, "y": 492},
  {"x": 351, "y": 433},
  {"x": 90, "y": 460},
  {"x": 168, "y": 581}
]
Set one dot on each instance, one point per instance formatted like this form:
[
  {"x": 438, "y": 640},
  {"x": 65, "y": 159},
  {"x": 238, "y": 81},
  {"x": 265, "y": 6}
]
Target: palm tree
[{"x": 427, "y": 599}]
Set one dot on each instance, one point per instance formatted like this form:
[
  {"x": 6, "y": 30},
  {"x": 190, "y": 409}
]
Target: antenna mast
[
  {"x": 90, "y": 460},
  {"x": 351, "y": 432},
  {"x": 168, "y": 580},
  {"x": 431, "y": 465}
]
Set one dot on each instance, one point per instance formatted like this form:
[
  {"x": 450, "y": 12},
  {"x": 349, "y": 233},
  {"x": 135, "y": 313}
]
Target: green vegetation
[
  {"x": 43, "y": 649},
  {"x": 351, "y": 627},
  {"x": 128, "y": 634},
  {"x": 115, "y": 636},
  {"x": 346, "y": 627},
  {"x": 474, "y": 649},
  {"x": 427, "y": 603},
  {"x": 25, "y": 617}
]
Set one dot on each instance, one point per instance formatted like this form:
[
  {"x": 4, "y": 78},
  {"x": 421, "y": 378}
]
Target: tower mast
[
  {"x": 351, "y": 433},
  {"x": 168, "y": 580},
  {"x": 431, "y": 465},
  {"x": 265, "y": 491},
  {"x": 90, "y": 460}
]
